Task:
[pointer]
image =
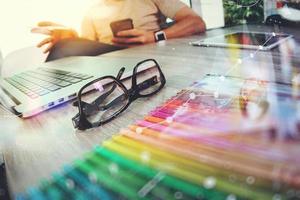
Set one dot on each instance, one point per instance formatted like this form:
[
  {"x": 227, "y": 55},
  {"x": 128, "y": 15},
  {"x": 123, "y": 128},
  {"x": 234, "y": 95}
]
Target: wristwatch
[{"x": 160, "y": 36}]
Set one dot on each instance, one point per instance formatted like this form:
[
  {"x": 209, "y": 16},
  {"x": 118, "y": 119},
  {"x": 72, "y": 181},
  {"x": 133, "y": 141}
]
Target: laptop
[
  {"x": 247, "y": 40},
  {"x": 46, "y": 86}
]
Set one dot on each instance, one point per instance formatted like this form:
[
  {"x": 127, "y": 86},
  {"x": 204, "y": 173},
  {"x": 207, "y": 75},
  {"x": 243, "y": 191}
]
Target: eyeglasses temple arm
[
  {"x": 120, "y": 73},
  {"x": 146, "y": 83},
  {"x": 141, "y": 86}
]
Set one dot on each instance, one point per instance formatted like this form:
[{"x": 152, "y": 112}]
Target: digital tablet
[{"x": 247, "y": 40}]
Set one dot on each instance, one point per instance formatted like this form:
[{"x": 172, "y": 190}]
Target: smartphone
[{"x": 121, "y": 25}]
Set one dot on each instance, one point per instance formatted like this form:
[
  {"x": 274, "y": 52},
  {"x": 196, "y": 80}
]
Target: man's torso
[{"x": 144, "y": 13}]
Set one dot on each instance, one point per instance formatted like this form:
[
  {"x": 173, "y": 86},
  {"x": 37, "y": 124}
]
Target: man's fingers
[
  {"x": 47, "y": 23},
  {"x": 45, "y": 41},
  {"x": 48, "y": 41},
  {"x": 124, "y": 40},
  {"x": 46, "y": 27},
  {"x": 42, "y": 30},
  {"x": 56, "y": 31},
  {"x": 131, "y": 32},
  {"x": 49, "y": 47},
  {"x": 134, "y": 36}
]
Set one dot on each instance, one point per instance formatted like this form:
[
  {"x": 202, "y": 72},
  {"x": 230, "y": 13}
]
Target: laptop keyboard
[{"x": 42, "y": 81}]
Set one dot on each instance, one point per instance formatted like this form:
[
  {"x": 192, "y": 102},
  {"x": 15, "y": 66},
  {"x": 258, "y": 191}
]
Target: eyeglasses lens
[
  {"x": 103, "y": 100},
  {"x": 148, "y": 77}
]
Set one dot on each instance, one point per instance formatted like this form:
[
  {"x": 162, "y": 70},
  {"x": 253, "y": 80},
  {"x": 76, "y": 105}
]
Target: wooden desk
[{"x": 36, "y": 147}]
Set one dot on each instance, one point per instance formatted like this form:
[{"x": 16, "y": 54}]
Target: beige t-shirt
[{"x": 146, "y": 15}]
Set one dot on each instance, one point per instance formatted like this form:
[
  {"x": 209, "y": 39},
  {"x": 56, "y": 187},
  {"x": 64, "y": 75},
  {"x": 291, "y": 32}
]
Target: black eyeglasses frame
[{"x": 80, "y": 120}]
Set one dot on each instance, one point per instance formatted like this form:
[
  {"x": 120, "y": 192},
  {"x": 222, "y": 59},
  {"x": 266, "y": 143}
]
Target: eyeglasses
[{"x": 106, "y": 97}]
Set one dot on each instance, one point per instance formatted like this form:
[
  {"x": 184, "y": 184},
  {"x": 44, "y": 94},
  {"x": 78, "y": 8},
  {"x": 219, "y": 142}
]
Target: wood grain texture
[{"x": 34, "y": 148}]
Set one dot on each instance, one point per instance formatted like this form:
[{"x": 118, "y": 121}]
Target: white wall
[{"x": 211, "y": 11}]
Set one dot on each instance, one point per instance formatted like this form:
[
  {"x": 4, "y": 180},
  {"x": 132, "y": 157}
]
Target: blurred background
[{"x": 17, "y": 17}]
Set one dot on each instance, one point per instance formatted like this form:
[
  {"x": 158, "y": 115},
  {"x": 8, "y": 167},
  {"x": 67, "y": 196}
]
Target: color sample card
[{"x": 221, "y": 138}]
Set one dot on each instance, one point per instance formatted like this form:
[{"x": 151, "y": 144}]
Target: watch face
[{"x": 160, "y": 36}]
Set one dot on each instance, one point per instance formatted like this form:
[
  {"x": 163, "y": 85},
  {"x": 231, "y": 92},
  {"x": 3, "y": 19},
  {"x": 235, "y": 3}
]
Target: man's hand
[
  {"x": 133, "y": 36},
  {"x": 56, "y": 32}
]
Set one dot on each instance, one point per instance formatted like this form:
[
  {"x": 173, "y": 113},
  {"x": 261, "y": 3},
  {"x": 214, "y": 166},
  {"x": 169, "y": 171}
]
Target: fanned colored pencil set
[{"x": 210, "y": 141}]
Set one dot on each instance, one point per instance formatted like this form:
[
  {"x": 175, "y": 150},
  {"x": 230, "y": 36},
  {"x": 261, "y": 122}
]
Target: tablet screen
[
  {"x": 251, "y": 40},
  {"x": 248, "y": 38}
]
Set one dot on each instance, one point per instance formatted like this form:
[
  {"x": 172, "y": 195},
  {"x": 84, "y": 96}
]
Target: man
[{"x": 147, "y": 16}]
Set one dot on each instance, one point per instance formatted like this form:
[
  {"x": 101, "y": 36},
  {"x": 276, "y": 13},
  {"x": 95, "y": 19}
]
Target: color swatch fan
[{"x": 217, "y": 139}]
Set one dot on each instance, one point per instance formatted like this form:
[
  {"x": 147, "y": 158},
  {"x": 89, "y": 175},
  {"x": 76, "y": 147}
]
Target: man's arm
[{"x": 187, "y": 22}]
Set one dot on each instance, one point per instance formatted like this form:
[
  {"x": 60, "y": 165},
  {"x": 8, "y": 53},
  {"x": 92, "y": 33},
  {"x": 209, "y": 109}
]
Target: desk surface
[{"x": 36, "y": 147}]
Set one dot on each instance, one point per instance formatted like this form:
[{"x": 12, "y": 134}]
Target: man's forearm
[{"x": 185, "y": 27}]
